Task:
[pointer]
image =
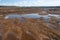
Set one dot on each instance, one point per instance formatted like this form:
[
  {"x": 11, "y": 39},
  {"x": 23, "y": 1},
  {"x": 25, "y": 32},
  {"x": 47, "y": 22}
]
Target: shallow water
[
  {"x": 56, "y": 15},
  {"x": 22, "y": 16}
]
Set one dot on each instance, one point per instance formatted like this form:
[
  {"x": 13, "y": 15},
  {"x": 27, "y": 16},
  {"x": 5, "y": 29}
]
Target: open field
[
  {"x": 20, "y": 10},
  {"x": 29, "y": 29}
]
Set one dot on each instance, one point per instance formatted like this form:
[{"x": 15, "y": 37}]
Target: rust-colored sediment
[{"x": 31, "y": 29}]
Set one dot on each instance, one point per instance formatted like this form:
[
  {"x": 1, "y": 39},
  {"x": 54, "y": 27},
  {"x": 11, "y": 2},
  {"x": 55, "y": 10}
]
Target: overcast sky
[{"x": 30, "y": 2}]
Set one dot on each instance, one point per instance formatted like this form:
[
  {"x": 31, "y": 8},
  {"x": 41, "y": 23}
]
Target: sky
[{"x": 30, "y": 2}]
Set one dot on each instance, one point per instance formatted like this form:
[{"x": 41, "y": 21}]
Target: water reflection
[
  {"x": 12, "y": 16},
  {"x": 56, "y": 15},
  {"x": 31, "y": 16},
  {"x": 21, "y": 16}
]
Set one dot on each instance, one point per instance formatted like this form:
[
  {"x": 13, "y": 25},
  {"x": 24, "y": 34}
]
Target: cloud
[
  {"x": 30, "y": 3},
  {"x": 39, "y": 3},
  {"x": 34, "y": 3},
  {"x": 53, "y": 3}
]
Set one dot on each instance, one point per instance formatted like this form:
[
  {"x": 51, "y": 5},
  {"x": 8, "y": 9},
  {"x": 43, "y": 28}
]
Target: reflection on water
[
  {"x": 12, "y": 16},
  {"x": 31, "y": 16},
  {"x": 21, "y": 16},
  {"x": 58, "y": 16}
]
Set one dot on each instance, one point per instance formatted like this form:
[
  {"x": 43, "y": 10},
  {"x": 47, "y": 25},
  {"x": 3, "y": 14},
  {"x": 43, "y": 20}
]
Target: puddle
[
  {"x": 31, "y": 16},
  {"x": 22, "y": 16},
  {"x": 12, "y": 16},
  {"x": 56, "y": 15}
]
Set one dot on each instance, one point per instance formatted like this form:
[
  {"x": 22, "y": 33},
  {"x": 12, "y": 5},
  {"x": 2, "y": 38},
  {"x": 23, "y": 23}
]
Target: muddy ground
[{"x": 29, "y": 29}]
